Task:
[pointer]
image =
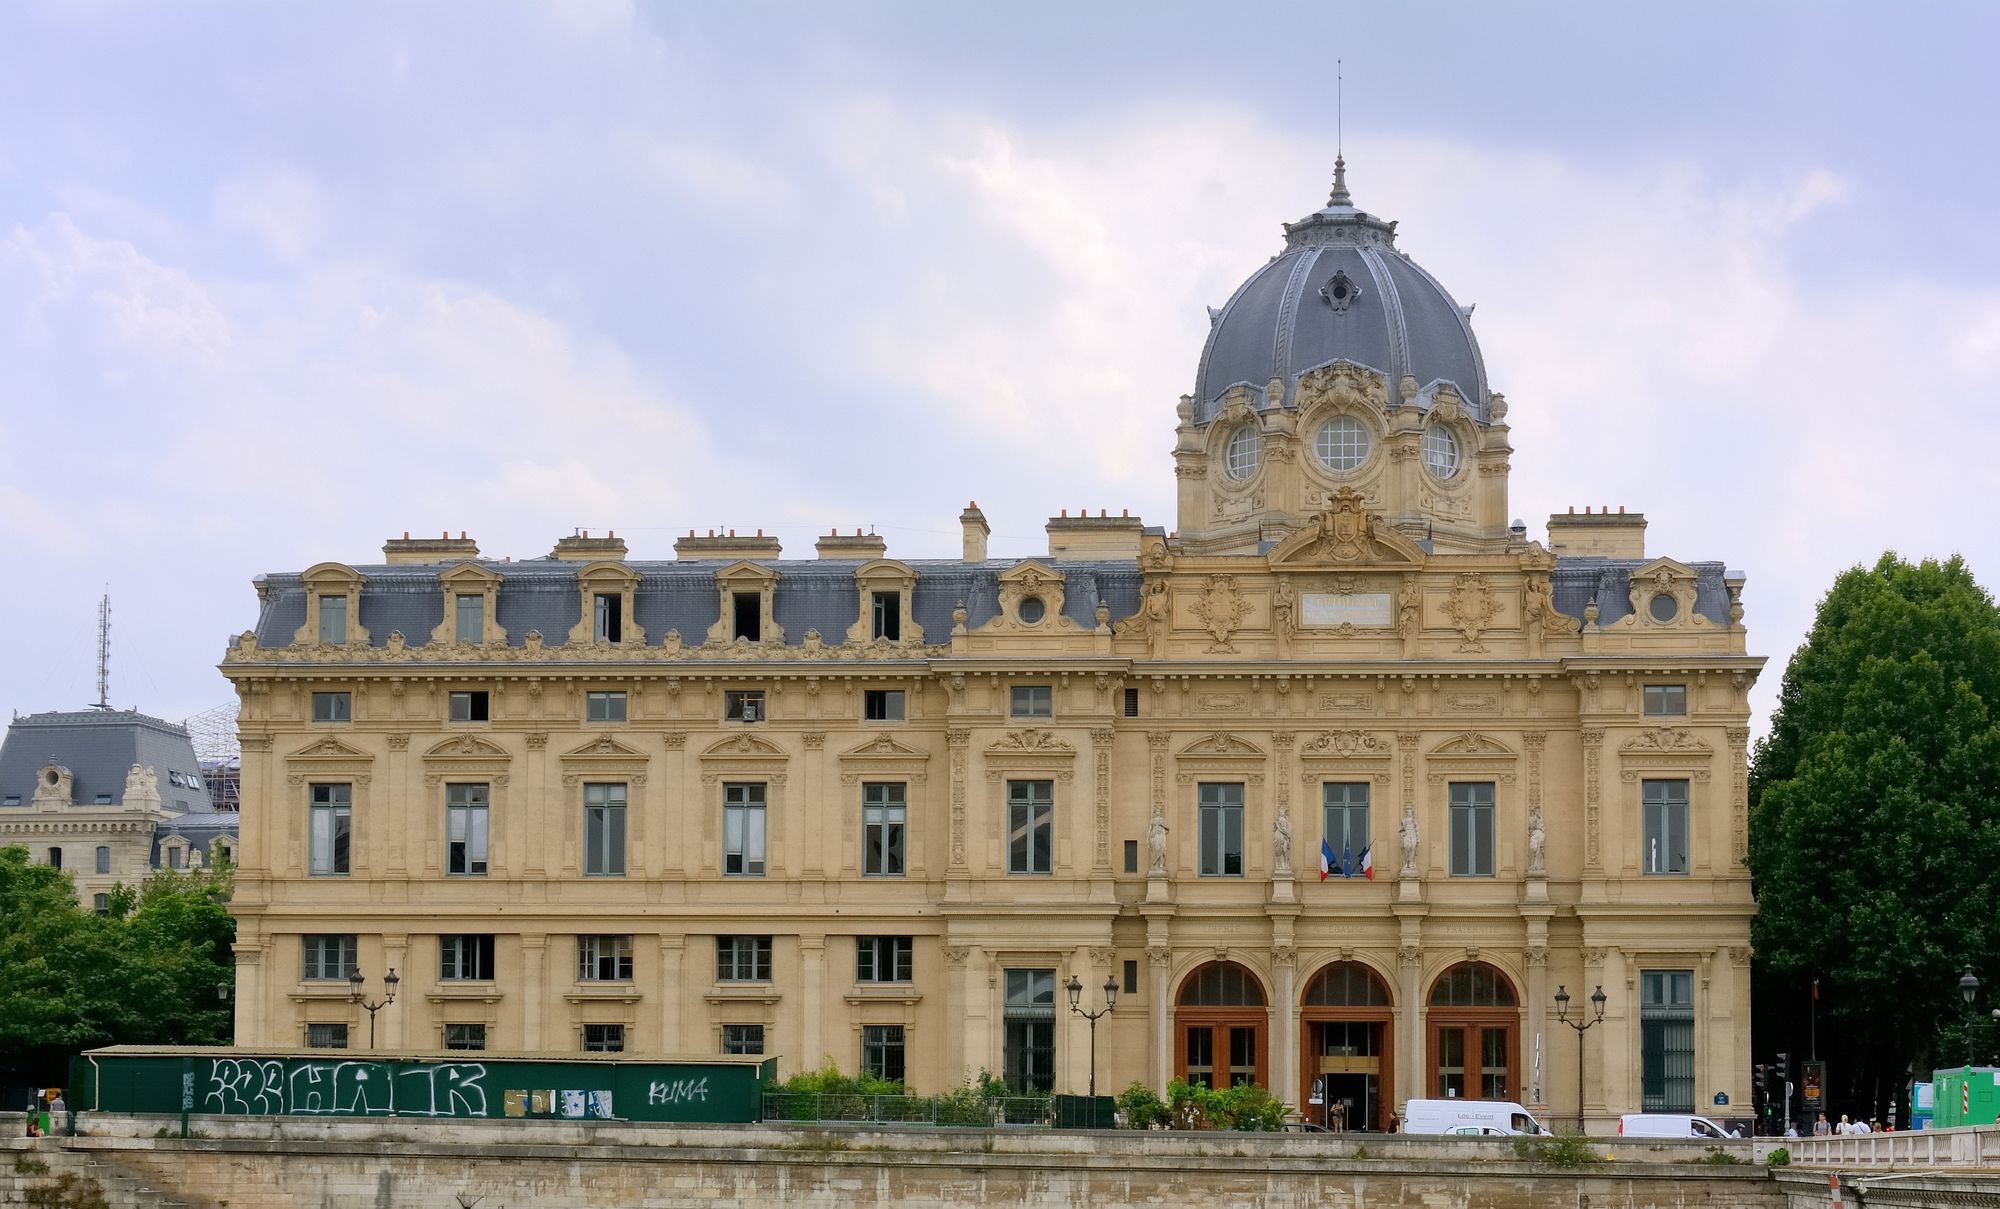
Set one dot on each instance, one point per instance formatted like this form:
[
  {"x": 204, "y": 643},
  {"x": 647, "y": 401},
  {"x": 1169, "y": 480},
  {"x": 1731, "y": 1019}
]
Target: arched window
[
  {"x": 1221, "y": 984},
  {"x": 1472, "y": 984},
  {"x": 1346, "y": 984}
]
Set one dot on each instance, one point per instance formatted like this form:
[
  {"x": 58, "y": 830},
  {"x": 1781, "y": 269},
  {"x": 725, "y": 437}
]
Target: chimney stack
[
  {"x": 583, "y": 548},
  {"x": 973, "y": 521},
  {"x": 444, "y": 548}
]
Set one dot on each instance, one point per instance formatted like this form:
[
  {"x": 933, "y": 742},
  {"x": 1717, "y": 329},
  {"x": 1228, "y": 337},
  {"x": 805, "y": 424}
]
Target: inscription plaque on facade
[{"x": 1346, "y": 608}]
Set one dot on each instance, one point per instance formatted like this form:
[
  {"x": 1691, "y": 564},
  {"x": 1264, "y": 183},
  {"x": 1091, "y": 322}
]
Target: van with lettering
[
  {"x": 1669, "y": 1125},
  {"x": 1475, "y": 1118}
]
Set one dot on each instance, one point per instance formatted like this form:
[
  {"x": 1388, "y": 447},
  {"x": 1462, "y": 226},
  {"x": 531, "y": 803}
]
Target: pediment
[
  {"x": 329, "y": 748},
  {"x": 743, "y": 570},
  {"x": 1663, "y": 569},
  {"x": 1667, "y": 740},
  {"x": 1471, "y": 744},
  {"x": 1221, "y": 743},
  {"x": 467, "y": 747},
  {"x": 1030, "y": 575},
  {"x": 1030, "y": 741},
  {"x": 326, "y": 574},
  {"x": 469, "y": 573},
  {"x": 885, "y": 747},
  {"x": 884, "y": 568},
  {"x": 1346, "y": 534},
  {"x": 605, "y": 748},
  {"x": 744, "y": 747}
]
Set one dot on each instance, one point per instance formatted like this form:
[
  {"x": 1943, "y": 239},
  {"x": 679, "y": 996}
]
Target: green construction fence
[
  {"x": 458, "y": 1085},
  {"x": 1969, "y": 1095}
]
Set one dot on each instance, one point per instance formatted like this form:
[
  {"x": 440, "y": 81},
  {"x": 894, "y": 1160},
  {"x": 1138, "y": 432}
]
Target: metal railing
[{"x": 908, "y": 1110}]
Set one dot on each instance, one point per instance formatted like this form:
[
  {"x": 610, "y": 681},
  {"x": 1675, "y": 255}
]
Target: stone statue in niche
[
  {"x": 1156, "y": 840},
  {"x": 1284, "y": 608},
  {"x": 1538, "y": 862},
  {"x": 1409, "y": 845},
  {"x": 1281, "y": 847}
]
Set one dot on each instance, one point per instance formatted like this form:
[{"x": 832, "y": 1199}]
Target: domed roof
[{"x": 1340, "y": 291}]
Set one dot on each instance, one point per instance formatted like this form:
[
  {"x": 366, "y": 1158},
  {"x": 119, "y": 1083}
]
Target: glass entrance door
[
  {"x": 1346, "y": 1091},
  {"x": 1474, "y": 1061}
]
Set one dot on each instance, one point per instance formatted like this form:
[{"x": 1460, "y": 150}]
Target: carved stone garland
[
  {"x": 1100, "y": 741},
  {"x": 1593, "y": 744},
  {"x": 958, "y": 738},
  {"x": 1739, "y": 793}
]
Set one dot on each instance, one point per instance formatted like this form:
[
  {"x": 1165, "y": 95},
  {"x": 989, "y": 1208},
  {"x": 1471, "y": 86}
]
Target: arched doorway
[
  {"x": 1347, "y": 1020},
  {"x": 1220, "y": 1024},
  {"x": 1475, "y": 1024}
]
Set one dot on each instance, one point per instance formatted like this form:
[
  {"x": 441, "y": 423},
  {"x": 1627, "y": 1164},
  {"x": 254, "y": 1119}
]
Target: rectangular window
[
  {"x": 882, "y": 705},
  {"x": 1666, "y": 1041},
  {"x": 604, "y": 707},
  {"x": 1131, "y": 703},
  {"x": 743, "y": 830},
  {"x": 331, "y": 832},
  {"x": 883, "y": 958},
  {"x": 101, "y": 903},
  {"x": 1131, "y": 977},
  {"x": 882, "y": 1051},
  {"x": 469, "y": 706},
  {"x": 886, "y": 616},
  {"x": 1222, "y": 829},
  {"x": 1131, "y": 856},
  {"x": 333, "y": 707},
  {"x": 604, "y": 1038},
  {"x": 103, "y": 859},
  {"x": 1031, "y": 701},
  {"x": 1031, "y": 833},
  {"x": 465, "y": 830},
  {"x": 176, "y": 857},
  {"x": 327, "y": 958},
  {"x": 743, "y": 959},
  {"x": 333, "y": 620},
  {"x": 747, "y": 613},
  {"x": 746, "y": 705},
  {"x": 326, "y": 1036},
  {"x": 471, "y": 619},
  {"x": 607, "y": 617},
  {"x": 1666, "y": 700},
  {"x": 1665, "y": 804},
  {"x": 604, "y": 959},
  {"x": 465, "y": 1036},
  {"x": 1028, "y": 1059},
  {"x": 884, "y": 817},
  {"x": 604, "y": 830},
  {"x": 55, "y": 858},
  {"x": 1345, "y": 807},
  {"x": 1472, "y": 829},
  {"x": 742, "y": 1038},
  {"x": 467, "y": 957}
]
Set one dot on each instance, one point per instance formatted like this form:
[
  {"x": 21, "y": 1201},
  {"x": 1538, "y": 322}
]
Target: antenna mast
[
  {"x": 104, "y": 651},
  {"x": 1339, "y": 111}
]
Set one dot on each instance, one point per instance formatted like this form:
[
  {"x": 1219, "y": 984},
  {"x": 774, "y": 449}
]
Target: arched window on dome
[
  {"x": 1342, "y": 444},
  {"x": 1244, "y": 452}
]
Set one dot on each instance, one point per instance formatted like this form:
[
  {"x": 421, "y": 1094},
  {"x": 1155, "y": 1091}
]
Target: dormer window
[
  {"x": 471, "y": 618},
  {"x": 746, "y": 616},
  {"x": 1244, "y": 452},
  {"x": 333, "y": 620},
  {"x": 886, "y": 616},
  {"x": 607, "y": 617}
]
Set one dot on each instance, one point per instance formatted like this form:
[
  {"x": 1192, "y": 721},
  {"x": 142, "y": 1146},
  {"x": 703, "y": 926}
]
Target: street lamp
[
  {"x": 354, "y": 995},
  {"x": 1968, "y": 986},
  {"x": 1582, "y": 1024},
  {"x": 1075, "y": 989}
]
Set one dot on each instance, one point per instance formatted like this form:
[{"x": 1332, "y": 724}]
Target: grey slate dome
[{"x": 1340, "y": 291}]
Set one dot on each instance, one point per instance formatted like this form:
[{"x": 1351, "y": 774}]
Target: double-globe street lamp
[
  {"x": 355, "y": 984},
  {"x": 1075, "y": 989},
  {"x": 1968, "y": 986},
  {"x": 1582, "y": 1024}
]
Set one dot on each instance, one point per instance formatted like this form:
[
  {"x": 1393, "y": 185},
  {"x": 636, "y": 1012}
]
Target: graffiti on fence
[
  {"x": 678, "y": 1091},
  {"x": 569, "y": 1104},
  {"x": 266, "y": 1087}
]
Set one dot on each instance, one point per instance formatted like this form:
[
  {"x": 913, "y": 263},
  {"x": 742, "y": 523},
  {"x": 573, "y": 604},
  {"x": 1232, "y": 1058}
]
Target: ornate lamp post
[
  {"x": 354, "y": 995},
  {"x": 1075, "y": 989},
  {"x": 1968, "y": 986},
  {"x": 1582, "y": 1024}
]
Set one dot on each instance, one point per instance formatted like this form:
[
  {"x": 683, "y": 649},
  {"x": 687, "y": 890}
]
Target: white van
[
  {"x": 1469, "y": 1117},
  {"x": 1669, "y": 1125}
]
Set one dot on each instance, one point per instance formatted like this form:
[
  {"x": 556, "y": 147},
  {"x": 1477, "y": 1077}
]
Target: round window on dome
[
  {"x": 1245, "y": 450},
  {"x": 1441, "y": 451},
  {"x": 1663, "y": 606},
  {"x": 1341, "y": 444}
]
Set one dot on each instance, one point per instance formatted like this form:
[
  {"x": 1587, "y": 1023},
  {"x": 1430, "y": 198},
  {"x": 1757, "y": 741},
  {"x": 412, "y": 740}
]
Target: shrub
[
  {"x": 1566, "y": 1151},
  {"x": 1779, "y": 1157},
  {"x": 1246, "y": 1107},
  {"x": 1718, "y": 1157},
  {"x": 1142, "y": 1107}
]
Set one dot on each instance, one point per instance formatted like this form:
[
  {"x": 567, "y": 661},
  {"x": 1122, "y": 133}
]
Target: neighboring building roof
[
  {"x": 1340, "y": 291},
  {"x": 681, "y": 595},
  {"x": 1579, "y": 579},
  {"x": 99, "y": 747}
]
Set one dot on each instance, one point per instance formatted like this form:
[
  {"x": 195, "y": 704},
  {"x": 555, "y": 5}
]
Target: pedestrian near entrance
[
  {"x": 1844, "y": 1128},
  {"x": 58, "y": 1114},
  {"x": 1821, "y": 1128}
]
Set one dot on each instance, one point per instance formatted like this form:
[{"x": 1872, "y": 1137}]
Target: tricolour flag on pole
[
  {"x": 1325, "y": 860},
  {"x": 1368, "y": 862}
]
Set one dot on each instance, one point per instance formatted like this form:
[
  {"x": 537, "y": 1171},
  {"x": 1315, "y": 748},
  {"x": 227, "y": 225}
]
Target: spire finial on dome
[{"x": 1340, "y": 195}]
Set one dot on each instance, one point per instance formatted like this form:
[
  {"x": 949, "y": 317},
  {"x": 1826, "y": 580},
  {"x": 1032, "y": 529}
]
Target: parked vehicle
[
  {"x": 1459, "y": 1117},
  {"x": 1670, "y": 1125}
]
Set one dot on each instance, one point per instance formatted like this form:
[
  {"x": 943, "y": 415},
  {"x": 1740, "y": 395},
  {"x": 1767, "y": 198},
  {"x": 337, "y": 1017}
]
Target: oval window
[
  {"x": 1245, "y": 450},
  {"x": 1032, "y": 610},
  {"x": 1663, "y": 607},
  {"x": 1341, "y": 444},
  {"x": 1441, "y": 451}
]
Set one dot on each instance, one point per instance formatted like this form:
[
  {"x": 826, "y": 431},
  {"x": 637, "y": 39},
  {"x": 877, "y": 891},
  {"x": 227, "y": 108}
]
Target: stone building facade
[{"x": 882, "y": 811}]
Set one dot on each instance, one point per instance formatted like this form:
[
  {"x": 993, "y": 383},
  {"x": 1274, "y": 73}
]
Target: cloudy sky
[{"x": 280, "y": 281}]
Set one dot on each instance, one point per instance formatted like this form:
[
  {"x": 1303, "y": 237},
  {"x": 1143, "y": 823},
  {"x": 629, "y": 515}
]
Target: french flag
[
  {"x": 1325, "y": 860},
  {"x": 1368, "y": 862}
]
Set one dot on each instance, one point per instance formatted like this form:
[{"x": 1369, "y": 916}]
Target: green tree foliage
[
  {"x": 1875, "y": 807},
  {"x": 144, "y": 974}
]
